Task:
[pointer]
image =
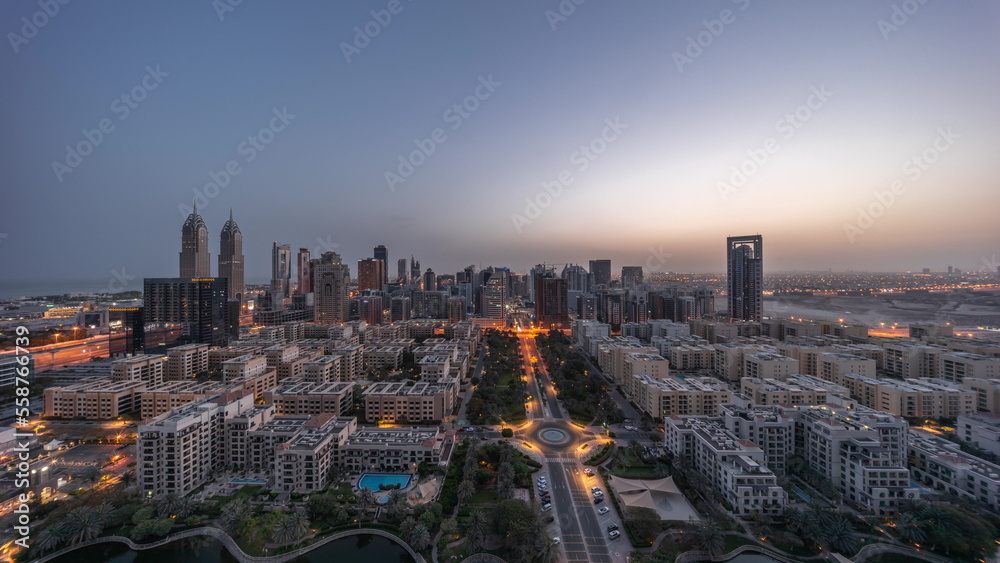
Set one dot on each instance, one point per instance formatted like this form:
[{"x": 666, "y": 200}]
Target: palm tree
[
  {"x": 290, "y": 528},
  {"x": 908, "y": 528},
  {"x": 83, "y": 524},
  {"x": 407, "y": 526},
  {"x": 233, "y": 514},
  {"x": 710, "y": 538},
  {"x": 365, "y": 498},
  {"x": 284, "y": 532},
  {"x": 50, "y": 537},
  {"x": 842, "y": 536},
  {"x": 506, "y": 453},
  {"x": 505, "y": 489},
  {"x": 465, "y": 490},
  {"x": 127, "y": 479},
  {"x": 397, "y": 502},
  {"x": 476, "y": 528},
  {"x": 420, "y": 537},
  {"x": 168, "y": 504},
  {"x": 505, "y": 471},
  {"x": 92, "y": 474}
]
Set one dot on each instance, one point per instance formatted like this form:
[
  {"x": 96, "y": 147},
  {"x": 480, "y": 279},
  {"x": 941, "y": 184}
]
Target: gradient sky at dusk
[{"x": 655, "y": 187}]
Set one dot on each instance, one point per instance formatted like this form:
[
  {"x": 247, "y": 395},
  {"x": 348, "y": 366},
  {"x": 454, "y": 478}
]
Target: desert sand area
[{"x": 962, "y": 309}]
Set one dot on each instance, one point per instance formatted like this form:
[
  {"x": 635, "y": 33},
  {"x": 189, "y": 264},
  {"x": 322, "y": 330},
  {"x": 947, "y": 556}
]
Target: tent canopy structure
[{"x": 661, "y": 495}]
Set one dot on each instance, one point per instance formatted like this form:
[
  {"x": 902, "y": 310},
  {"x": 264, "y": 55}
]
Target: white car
[
  {"x": 556, "y": 540},
  {"x": 604, "y": 510},
  {"x": 614, "y": 534},
  {"x": 547, "y": 506}
]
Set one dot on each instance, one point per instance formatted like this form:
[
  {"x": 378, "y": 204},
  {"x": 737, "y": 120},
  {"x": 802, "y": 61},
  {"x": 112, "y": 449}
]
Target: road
[
  {"x": 582, "y": 531},
  {"x": 67, "y": 353}
]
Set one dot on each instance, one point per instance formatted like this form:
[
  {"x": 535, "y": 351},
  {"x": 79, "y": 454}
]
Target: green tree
[
  {"x": 50, "y": 538},
  {"x": 476, "y": 529},
  {"x": 645, "y": 521},
  {"x": 84, "y": 523},
  {"x": 710, "y": 538},
  {"x": 420, "y": 537},
  {"x": 364, "y": 499},
  {"x": 465, "y": 490}
]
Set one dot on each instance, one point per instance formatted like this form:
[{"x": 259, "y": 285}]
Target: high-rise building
[
  {"x": 579, "y": 279},
  {"x": 281, "y": 271},
  {"x": 745, "y": 282},
  {"x": 382, "y": 253},
  {"x": 231, "y": 257},
  {"x": 127, "y": 330},
  {"x": 370, "y": 308},
  {"x": 414, "y": 271},
  {"x": 200, "y": 304},
  {"x": 494, "y": 292},
  {"x": 551, "y": 301},
  {"x": 601, "y": 270},
  {"x": 401, "y": 271},
  {"x": 631, "y": 276},
  {"x": 194, "y": 258},
  {"x": 430, "y": 280},
  {"x": 371, "y": 273},
  {"x": 304, "y": 272},
  {"x": 330, "y": 279},
  {"x": 399, "y": 309},
  {"x": 456, "y": 309}
]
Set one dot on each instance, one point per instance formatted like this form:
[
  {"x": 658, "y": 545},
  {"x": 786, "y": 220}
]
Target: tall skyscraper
[
  {"x": 430, "y": 280},
  {"x": 200, "y": 304},
  {"x": 745, "y": 281},
  {"x": 330, "y": 279},
  {"x": 493, "y": 294},
  {"x": 195, "y": 261},
  {"x": 304, "y": 272},
  {"x": 601, "y": 270},
  {"x": 399, "y": 309},
  {"x": 370, "y": 308},
  {"x": 382, "y": 253},
  {"x": 551, "y": 300},
  {"x": 281, "y": 270},
  {"x": 231, "y": 257},
  {"x": 414, "y": 271},
  {"x": 371, "y": 272},
  {"x": 401, "y": 271},
  {"x": 578, "y": 278},
  {"x": 631, "y": 276}
]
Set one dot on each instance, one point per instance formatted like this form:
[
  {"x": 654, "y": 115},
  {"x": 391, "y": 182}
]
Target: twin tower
[{"x": 194, "y": 257}]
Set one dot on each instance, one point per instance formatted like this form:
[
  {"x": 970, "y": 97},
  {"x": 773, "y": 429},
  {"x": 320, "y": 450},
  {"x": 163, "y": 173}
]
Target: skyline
[{"x": 665, "y": 123}]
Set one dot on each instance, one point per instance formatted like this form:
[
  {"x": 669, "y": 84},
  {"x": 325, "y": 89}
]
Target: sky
[{"x": 856, "y": 135}]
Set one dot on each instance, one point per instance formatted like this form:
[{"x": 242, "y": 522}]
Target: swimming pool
[
  {"x": 249, "y": 481},
  {"x": 371, "y": 481}
]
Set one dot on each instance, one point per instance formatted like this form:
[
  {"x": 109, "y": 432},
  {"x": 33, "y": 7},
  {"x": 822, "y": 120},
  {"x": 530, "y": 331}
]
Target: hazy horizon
[{"x": 829, "y": 109}]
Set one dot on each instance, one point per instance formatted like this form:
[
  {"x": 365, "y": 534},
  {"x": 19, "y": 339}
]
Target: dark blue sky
[{"x": 656, "y": 190}]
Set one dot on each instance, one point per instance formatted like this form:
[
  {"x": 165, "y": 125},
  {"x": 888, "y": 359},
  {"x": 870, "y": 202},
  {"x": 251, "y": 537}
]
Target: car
[
  {"x": 614, "y": 535},
  {"x": 598, "y": 500},
  {"x": 547, "y": 506},
  {"x": 556, "y": 540},
  {"x": 588, "y": 472},
  {"x": 603, "y": 510},
  {"x": 612, "y": 527},
  {"x": 595, "y": 489},
  {"x": 550, "y": 519}
]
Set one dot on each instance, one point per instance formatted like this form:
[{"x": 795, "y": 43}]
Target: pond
[{"x": 364, "y": 548}]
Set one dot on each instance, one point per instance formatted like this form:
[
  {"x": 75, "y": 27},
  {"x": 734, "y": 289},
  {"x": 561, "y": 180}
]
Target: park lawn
[{"x": 488, "y": 496}]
